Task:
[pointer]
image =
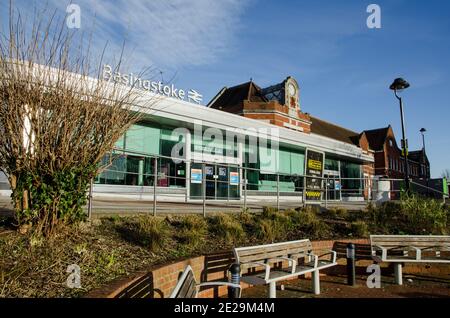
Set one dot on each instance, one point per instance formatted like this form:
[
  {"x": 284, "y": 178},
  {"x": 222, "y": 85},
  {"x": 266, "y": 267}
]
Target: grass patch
[
  {"x": 228, "y": 227},
  {"x": 113, "y": 247},
  {"x": 359, "y": 229},
  {"x": 337, "y": 213},
  {"x": 147, "y": 231},
  {"x": 192, "y": 230},
  {"x": 266, "y": 230}
]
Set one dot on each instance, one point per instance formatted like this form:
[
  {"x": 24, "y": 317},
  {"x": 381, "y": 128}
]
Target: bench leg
[
  {"x": 398, "y": 273},
  {"x": 273, "y": 290},
  {"x": 316, "y": 282}
]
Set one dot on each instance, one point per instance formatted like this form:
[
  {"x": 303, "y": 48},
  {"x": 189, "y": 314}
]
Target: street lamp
[
  {"x": 423, "y": 131},
  {"x": 399, "y": 85}
]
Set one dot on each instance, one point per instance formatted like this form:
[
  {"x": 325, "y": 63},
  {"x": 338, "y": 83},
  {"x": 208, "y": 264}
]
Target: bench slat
[
  {"x": 268, "y": 249},
  {"x": 274, "y": 254},
  {"x": 188, "y": 290}
]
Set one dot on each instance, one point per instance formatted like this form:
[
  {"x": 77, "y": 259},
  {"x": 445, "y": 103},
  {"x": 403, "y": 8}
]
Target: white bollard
[
  {"x": 398, "y": 273},
  {"x": 316, "y": 282},
  {"x": 273, "y": 290}
]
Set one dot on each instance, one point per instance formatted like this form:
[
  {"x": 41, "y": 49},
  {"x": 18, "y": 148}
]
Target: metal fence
[{"x": 160, "y": 193}]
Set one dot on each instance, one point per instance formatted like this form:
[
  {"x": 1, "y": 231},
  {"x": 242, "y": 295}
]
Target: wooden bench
[
  {"x": 187, "y": 286},
  {"x": 362, "y": 251},
  {"x": 140, "y": 288},
  {"x": 399, "y": 249},
  {"x": 298, "y": 255}
]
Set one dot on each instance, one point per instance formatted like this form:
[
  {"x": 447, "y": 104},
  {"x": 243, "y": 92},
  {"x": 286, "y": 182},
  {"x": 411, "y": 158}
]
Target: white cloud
[
  {"x": 175, "y": 32},
  {"x": 163, "y": 33}
]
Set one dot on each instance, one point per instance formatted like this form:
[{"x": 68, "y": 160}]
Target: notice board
[{"x": 314, "y": 165}]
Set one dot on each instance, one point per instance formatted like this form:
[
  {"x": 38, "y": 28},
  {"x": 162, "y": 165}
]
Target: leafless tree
[
  {"x": 446, "y": 174},
  {"x": 58, "y": 118}
]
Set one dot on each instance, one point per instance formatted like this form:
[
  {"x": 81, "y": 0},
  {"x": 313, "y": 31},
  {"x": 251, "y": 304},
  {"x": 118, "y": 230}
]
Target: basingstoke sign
[{"x": 151, "y": 86}]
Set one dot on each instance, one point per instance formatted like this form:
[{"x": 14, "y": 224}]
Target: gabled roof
[
  {"x": 417, "y": 156},
  {"x": 232, "y": 98},
  {"x": 377, "y": 137},
  {"x": 326, "y": 129}
]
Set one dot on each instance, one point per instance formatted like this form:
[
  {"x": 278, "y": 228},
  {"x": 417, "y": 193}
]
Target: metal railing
[{"x": 157, "y": 191}]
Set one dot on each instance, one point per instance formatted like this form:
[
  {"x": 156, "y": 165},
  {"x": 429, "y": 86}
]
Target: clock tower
[
  {"x": 277, "y": 104},
  {"x": 291, "y": 90}
]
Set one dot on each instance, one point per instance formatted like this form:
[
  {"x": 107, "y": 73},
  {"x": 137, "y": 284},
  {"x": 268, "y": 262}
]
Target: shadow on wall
[
  {"x": 215, "y": 268},
  {"x": 216, "y": 263},
  {"x": 141, "y": 288}
]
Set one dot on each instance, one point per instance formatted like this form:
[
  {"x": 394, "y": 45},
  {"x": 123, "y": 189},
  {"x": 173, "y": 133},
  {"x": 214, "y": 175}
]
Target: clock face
[{"x": 291, "y": 89}]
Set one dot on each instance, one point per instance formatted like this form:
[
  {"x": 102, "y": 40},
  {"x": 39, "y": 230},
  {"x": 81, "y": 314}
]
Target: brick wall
[
  {"x": 165, "y": 277},
  {"x": 276, "y": 114}
]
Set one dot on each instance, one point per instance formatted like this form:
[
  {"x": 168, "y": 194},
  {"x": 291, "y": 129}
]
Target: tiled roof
[
  {"x": 326, "y": 129},
  {"x": 377, "y": 138},
  {"x": 231, "y": 98},
  {"x": 417, "y": 156}
]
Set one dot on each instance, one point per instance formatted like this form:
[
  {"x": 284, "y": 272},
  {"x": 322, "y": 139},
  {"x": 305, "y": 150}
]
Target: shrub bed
[{"x": 108, "y": 248}]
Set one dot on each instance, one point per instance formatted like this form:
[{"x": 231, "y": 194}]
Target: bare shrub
[
  {"x": 413, "y": 215},
  {"x": 58, "y": 118}
]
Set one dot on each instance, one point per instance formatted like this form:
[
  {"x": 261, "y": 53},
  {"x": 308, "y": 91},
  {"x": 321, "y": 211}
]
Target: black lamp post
[
  {"x": 423, "y": 131},
  {"x": 399, "y": 85}
]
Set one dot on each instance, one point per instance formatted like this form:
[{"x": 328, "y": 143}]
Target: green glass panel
[
  {"x": 331, "y": 164},
  {"x": 120, "y": 143},
  {"x": 213, "y": 144},
  {"x": 284, "y": 158},
  {"x": 143, "y": 139},
  {"x": 267, "y": 160},
  {"x": 170, "y": 139},
  {"x": 297, "y": 163},
  {"x": 352, "y": 172}
]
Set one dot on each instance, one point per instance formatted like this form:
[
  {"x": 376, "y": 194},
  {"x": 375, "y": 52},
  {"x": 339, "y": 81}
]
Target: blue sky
[{"x": 344, "y": 69}]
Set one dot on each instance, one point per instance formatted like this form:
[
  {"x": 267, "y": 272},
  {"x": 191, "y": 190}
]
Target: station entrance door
[{"x": 221, "y": 182}]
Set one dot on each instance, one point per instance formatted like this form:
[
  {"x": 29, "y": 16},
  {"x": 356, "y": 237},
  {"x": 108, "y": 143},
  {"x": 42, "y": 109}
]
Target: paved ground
[
  {"x": 104, "y": 206},
  {"x": 336, "y": 287}
]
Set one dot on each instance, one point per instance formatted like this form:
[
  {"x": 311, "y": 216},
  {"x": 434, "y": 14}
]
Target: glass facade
[
  {"x": 135, "y": 166},
  {"x": 268, "y": 170},
  {"x": 351, "y": 179},
  {"x": 286, "y": 164}
]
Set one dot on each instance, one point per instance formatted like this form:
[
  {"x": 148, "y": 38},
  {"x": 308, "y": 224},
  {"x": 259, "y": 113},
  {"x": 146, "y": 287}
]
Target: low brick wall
[{"x": 162, "y": 279}]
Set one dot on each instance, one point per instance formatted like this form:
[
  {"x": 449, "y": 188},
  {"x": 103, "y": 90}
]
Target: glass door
[
  {"x": 210, "y": 177},
  {"x": 196, "y": 181},
  {"x": 222, "y": 183},
  {"x": 333, "y": 184},
  {"x": 234, "y": 183}
]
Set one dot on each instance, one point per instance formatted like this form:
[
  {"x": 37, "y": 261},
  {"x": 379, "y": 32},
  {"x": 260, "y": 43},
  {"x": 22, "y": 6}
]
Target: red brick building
[
  {"x": 279, "y": 105},
  {"x": 389, "y": 160}
]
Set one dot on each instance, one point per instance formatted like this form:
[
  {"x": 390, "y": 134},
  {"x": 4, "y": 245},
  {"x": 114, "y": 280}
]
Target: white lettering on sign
[{"x": 151, "y": 86}]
